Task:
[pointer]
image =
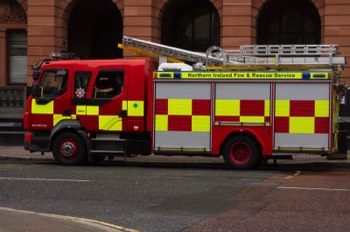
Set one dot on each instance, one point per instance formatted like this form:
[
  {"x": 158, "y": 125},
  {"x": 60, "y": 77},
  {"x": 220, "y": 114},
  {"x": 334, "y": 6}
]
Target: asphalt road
[
  {"x": 184, "y": 197},
  {"x": 146, "y": 197},
  {"x": 309, "y": 197}
]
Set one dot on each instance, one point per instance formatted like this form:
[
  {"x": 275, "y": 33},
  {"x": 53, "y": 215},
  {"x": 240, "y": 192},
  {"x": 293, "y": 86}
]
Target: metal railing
[{"x": 12, "y": 101}]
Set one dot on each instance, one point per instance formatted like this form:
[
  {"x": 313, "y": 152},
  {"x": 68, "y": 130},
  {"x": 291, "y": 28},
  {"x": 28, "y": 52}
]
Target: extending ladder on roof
[
  {"x": 284, "y": 55},
  {"x": 168, "y": 51},
  {"x": 247, "y": 55}
]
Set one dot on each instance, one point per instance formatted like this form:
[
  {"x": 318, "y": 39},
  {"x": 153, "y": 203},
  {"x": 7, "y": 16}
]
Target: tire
[
  {"x": 69, "y": 149},
  {"x": 241, "y": 152}
]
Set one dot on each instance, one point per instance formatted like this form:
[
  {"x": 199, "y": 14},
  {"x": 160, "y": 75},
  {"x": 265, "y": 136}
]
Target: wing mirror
[
  {"x": 37, "y": 90},
  {"x": 36, "y": 75}
]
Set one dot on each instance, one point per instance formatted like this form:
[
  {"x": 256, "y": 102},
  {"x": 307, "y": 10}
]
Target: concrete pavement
[
  {"x": 18, "y": 152},
  {"x": 12, "y": 220}
]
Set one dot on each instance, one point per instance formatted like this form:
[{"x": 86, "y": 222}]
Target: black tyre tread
[
  {"x": 81, "y": 156},
  {"x": 254, "y": 156}
]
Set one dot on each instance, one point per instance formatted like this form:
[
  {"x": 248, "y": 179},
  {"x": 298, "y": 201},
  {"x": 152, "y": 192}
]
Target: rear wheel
[
  {"x": 69, "y": 149},
  {"x": 241, "y": 152}
]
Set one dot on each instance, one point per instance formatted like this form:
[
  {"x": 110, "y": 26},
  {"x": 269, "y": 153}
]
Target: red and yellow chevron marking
[
  {"x": 257, "y": 111},
  {"x": 191, "y": 115},
  {"x": 302, "y": 117}
]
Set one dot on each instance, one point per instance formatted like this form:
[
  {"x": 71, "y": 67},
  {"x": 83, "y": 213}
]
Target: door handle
[
  {"x": 66, "y": 112},
  {"x": 123, "y": 113}
]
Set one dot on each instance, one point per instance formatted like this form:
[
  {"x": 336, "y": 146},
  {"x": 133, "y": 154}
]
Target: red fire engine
[{"x": 245, "y": 105}]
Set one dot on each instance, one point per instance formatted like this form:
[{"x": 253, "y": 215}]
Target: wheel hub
[
  {"x": 68, "y": 149},
  {"x": 240, "y": 152}
]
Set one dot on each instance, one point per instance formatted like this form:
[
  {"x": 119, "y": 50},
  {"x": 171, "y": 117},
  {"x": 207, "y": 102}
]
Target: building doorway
[{"x": 94, "y": 30}]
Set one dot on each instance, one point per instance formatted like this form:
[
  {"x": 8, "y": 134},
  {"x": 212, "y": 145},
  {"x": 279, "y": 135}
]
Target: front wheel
[
  {"x": 69, "y": 149},
  {"x": 241, "y": 152}
]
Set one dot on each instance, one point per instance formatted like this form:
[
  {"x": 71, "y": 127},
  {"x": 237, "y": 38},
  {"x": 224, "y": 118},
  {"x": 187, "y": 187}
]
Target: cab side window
[
  {"x": 109, "y": 84},
  {"x": 81, "y": 83}
]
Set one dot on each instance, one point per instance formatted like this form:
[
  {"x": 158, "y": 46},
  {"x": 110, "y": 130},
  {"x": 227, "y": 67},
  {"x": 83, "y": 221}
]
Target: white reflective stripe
[
  {"x": 42, "y": 179},
  {"x": 314, "y": 189}
]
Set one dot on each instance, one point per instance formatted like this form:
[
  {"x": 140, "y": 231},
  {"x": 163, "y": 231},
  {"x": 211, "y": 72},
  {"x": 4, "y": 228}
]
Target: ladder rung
[
  {"x": 296, "y": 50},
  {"x": 285, "y": 60}
]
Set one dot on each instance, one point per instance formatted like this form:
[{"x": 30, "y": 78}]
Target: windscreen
[{"x": 54, "y": 83}]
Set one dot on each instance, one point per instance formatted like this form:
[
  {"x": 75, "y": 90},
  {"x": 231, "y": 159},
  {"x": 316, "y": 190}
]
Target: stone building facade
[{"x": 31, "y": 29}]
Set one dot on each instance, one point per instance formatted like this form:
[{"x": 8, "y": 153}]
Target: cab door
[
  {"x": 99, "y": 107},
  {"x": 82, "y": 79},
  {"x": 51, "y": 104}
]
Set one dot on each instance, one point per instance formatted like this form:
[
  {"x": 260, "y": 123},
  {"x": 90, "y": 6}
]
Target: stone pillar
[
  {"x": 238, "y": 26},
  {"x": 41, "y": 30},
  {"x": 137, "y": 20},
  {"x": 337, "y": 29}
]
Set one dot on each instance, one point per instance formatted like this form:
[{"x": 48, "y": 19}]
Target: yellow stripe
[
  {"x": 161, "y": 123},
  {"x": 200, "y": 123},
  {"x": 42, "y": 109},
  {"x": 164, "y": 75},
  {"x": 243, "y": 75},
  {"x": 135, "y": 108},
  {"x": 125, "y": 105},
  {"x": 322, "y": 108},
  {"x": 302, "y": 125},
  {"x": 267, "y": 108},
  {"x": 224, "y": 107},
  {"x": 110, "y": 123},
  {"x": 180, "y": 106},
  {"x": 251, "y": 119},
  {"x": 319, "y": 75},
  {"x": 80, "y": 110},
  {"x": 92, "y": 110},
  {"x": 282, "y": 108},
  {"x": 58, "y": 117}
]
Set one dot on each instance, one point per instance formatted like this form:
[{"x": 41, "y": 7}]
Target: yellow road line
[
  {"x": 77, "y": 219},
  {"x": 297, "y": 173},
  {"x": 100, "y": 223}
]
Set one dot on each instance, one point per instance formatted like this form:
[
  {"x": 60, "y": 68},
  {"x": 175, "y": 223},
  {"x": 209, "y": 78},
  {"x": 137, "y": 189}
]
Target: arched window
[
  {"x": 95, "y": 29},
  {"x": 289, "y": 22},
  {"x": 192, "y": 25}
]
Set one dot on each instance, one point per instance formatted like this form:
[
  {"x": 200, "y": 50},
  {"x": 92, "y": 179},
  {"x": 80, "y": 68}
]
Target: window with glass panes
[
  {"x": 289, "y": 22},
  {"x": 17, "y": 40},
  {"x": 193, "y": 26}
]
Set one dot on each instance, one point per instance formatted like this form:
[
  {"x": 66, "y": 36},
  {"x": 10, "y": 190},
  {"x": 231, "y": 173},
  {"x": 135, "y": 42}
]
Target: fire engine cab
[{"x": 246, "y": 105}]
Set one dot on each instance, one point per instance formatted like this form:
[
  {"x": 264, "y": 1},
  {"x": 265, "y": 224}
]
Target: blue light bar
[
  {"x": 177, "y": 75},
  {"x": 306, "y": 76}
]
